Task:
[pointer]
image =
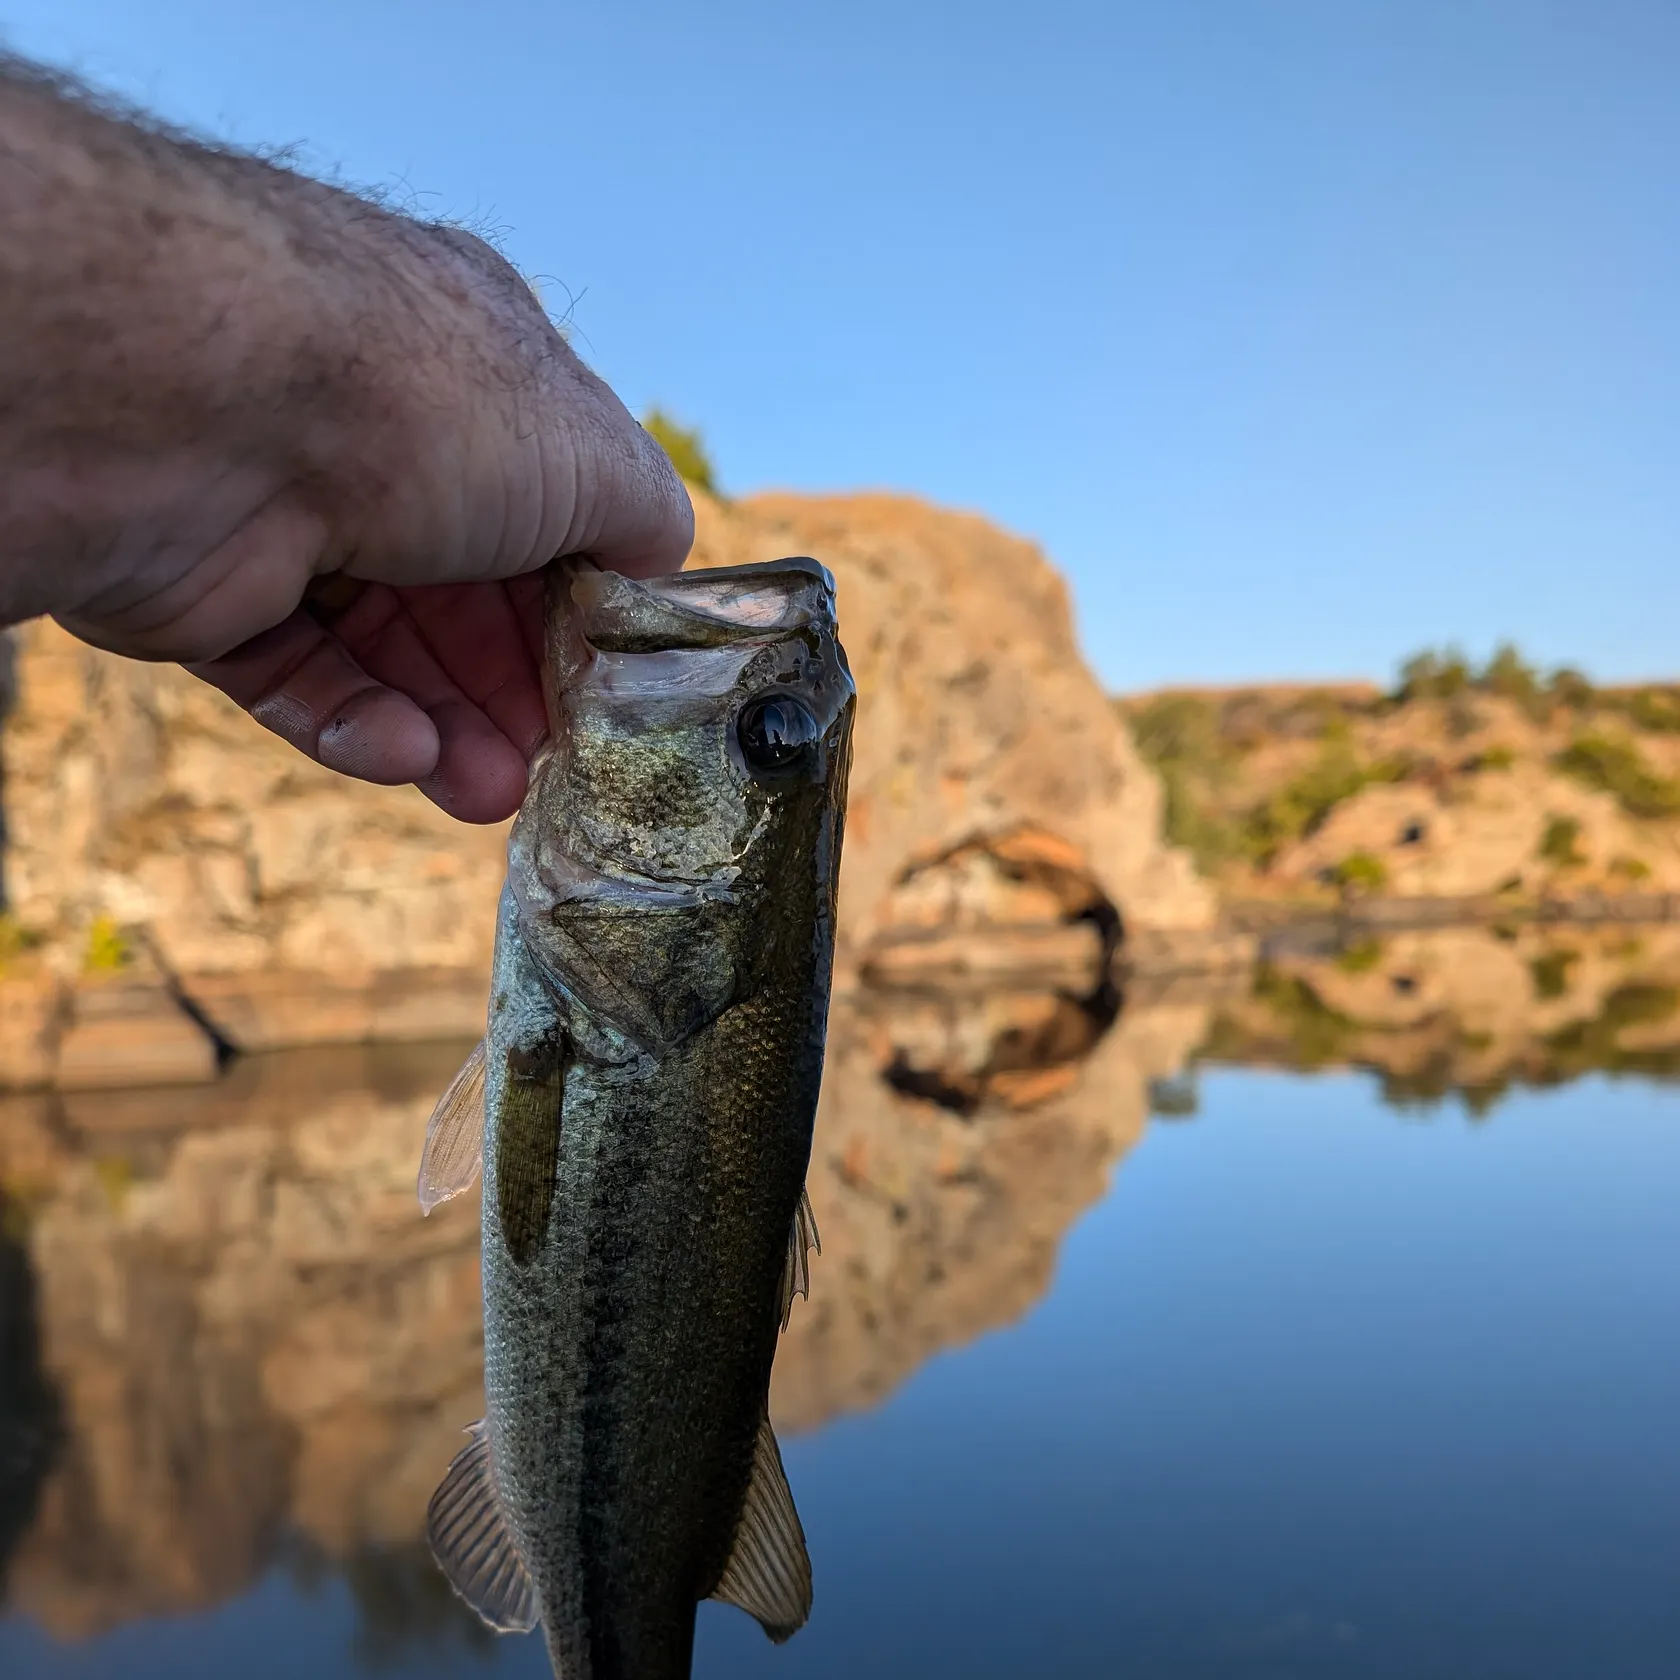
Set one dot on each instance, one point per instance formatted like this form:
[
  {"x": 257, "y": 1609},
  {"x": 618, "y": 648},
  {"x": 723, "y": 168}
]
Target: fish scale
[{"x": 646, "y": 1091}]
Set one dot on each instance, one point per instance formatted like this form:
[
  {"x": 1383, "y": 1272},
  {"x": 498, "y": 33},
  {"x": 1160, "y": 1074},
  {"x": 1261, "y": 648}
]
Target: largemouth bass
[{"x": 642, "y": 1104}]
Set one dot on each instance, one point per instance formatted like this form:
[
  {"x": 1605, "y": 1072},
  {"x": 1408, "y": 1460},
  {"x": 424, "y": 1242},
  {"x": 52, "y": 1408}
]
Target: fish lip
[{"x": 802, "y": 563}]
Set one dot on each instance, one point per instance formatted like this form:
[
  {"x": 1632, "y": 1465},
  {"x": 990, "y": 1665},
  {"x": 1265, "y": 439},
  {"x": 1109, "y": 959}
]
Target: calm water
[{"x": 1318, "y": 1389}]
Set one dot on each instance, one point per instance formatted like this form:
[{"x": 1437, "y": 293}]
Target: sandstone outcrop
[
  {"x": 1550, "y": 795},
  {"x": 992, "y": 782}
]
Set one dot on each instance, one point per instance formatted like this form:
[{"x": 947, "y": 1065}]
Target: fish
[{"x": 641, "y": 1110}]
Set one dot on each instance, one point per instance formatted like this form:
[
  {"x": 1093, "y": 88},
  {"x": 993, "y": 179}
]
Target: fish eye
[{"x": 776, "y": 732}]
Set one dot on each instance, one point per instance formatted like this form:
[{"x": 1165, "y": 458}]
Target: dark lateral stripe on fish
[{"x": 528, "y": 1142}]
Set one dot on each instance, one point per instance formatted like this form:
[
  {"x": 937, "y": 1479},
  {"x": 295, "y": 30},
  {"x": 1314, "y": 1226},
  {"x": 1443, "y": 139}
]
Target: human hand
[{"x": 310, "y": 449}]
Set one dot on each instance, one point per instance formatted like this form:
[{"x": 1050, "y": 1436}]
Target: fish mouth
[{"x": 603, "y": 626}]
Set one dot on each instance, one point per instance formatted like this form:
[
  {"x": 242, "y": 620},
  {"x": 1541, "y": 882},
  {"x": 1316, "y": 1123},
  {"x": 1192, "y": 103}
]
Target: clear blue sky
[{"x": 1300, "y": 332}]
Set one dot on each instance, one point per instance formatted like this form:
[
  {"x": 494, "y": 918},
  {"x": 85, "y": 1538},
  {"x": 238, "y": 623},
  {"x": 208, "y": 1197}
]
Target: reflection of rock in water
[
  {"x": 941, "y": 1221},
  {"x": 963, "y": 1049},
  {"x": 1474, "y": 1011},
  {"x": 260, "y": 1353},
  {"x": 29, "y": 1420},
  {"x": 251, "y": 1328},
  {"x": 404, "y": 1605},
  {"x": 261, "y": 1347}
]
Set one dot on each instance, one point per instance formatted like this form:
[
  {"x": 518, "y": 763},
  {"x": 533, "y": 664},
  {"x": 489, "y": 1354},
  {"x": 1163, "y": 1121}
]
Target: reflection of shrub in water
[
  {"x": 1433, "y": 1059},
  {"x": 1595, "y": 1046},
  {"x": 405, "y": 1610},
  {"x": 1317, "y": 1033},
  {"x": 1361, "y": 956},
  {"x": 1176, "y": 1097},
  {"x": 29, "y": 1412},
  {"x": 1551, "y": 972}
]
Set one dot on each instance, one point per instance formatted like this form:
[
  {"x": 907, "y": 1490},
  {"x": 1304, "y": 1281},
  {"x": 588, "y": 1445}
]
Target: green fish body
[{"x": 647, "y": 1084}]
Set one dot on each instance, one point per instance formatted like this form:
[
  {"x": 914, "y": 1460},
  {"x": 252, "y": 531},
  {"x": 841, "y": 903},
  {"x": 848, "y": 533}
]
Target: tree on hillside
[{"x": 685, "y": 446}]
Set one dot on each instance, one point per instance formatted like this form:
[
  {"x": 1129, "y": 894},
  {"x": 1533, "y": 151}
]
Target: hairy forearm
[
  {"x": 170, "y": 318},
  {"x": 195, "y": 342}
]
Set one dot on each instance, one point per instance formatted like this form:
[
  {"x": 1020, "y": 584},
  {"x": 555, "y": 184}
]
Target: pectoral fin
[
  {"x": 470, "y": 1539},
  {"x": 769, "y": 1572},
  {"x": 528, "y": 1118},
  {"x": 454, "y": 1148},
  {"x": 802, "y": 1238}
]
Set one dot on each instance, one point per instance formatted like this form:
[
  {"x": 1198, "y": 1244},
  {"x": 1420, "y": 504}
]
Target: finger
[
  {"x": 525, "y": 595},
  {"x": 247, "y": 581},
  {"x": 480, "y": 773},
  {"x": 631, "y": 514},
  {"x": 476, "y": 637},
  {"x": 300, "y": 682}
]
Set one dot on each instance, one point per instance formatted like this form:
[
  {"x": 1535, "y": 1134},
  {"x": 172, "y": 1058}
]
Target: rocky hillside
[
  {"x": 161, "y": 847},
  {"x": 1459, "y": 784}
]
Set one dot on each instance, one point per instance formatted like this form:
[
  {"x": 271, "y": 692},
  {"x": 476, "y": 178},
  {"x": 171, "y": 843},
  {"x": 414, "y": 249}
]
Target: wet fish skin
[{"x": 652, "y": 1062}]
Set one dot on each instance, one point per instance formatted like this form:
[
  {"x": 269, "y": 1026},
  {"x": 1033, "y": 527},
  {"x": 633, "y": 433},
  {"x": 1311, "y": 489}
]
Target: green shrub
[
  {"x": 1509, "y": 675},
  {"x": 1495, "y": 758},
  {"x": 1618, "y": 768},
  {"x": 685, "y": 447},
  {"x": 15, "y": 939},
  {"x": 1433, "y": 676},
  {"x": 1179, "y": 735},
  {"x": 107, "y": 948},
  {"x": 1300, "y": 807},
  {"x": 1180, "y": 729},
  {"x": 1361, "y": 872},
  {"x": 1558, "y": 844},
  {"x": 1568, "y": 687},
  {"x": 1630, "y": 868},
  {"x": 1652, "y": 708}
]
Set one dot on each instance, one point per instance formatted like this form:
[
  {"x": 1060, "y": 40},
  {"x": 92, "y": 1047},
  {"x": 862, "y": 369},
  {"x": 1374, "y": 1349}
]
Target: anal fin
[
  {"x": 454, "y": 1148},
  {"x": 769, "y": 1571},
  {"x": 469, "y": 1536},
  {"x": 802, "y": 1238}
]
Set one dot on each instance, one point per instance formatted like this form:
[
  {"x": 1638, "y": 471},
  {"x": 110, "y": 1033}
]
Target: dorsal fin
[
  {"x": 470, "y": 1539},
  {"x": 802, "y": 1238},
  {"x": 455, "y": 1136},
  {"x": 769, "y": 1572}
]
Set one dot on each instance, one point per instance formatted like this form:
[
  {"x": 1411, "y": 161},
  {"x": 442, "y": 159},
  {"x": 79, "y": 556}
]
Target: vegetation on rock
[
  {"x": 1618, "y": 767},
  {"x": 1459, "y": 781},
  {"x": 686, "y": 448}
]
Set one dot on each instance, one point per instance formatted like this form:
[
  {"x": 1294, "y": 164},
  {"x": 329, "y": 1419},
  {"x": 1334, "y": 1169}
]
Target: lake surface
[{"x": 1315, "y": 1386}]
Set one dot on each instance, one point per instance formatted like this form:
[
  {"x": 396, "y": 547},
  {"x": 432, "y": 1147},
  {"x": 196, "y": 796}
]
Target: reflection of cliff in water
[
  {"x": 235, "y": 1344},
  {"x": 1472, "y": 1012},
  {"x": 265, "y": 1356},
  {"x": 29, "y": 1418}
]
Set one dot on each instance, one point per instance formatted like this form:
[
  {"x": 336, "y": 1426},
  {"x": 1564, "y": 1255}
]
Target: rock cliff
[{"x": 160, "y": 844}]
